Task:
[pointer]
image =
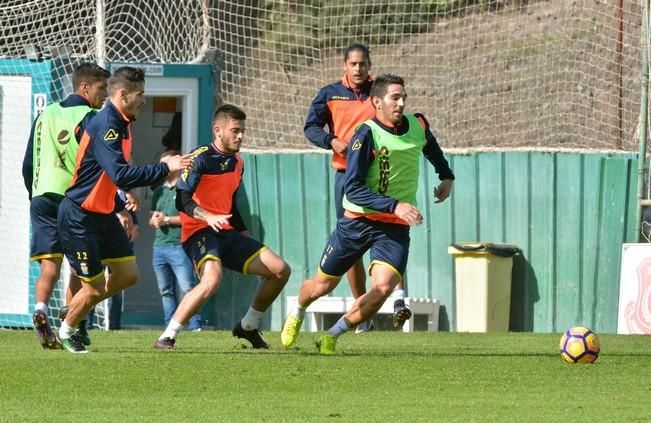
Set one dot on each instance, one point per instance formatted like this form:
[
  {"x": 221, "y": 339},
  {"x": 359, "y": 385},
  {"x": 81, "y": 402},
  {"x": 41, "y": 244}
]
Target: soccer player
[
  {"x": 380, "y": 187},
  {"x": 47, "y": 172},
  {"x": 90, "y": 232},
  {"x": 213, "y": 233},
  {"x": 341, "y": 106}
]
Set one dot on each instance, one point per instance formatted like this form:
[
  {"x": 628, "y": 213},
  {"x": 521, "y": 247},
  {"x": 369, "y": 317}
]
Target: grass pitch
[{"x": 376, "y": 377}]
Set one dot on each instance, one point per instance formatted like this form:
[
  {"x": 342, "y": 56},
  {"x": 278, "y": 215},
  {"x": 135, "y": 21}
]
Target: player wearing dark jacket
[
  {"x": 340, "y": 106},
  {"x": 47, "y": 171},
  {"x": 91, "y": 234}
]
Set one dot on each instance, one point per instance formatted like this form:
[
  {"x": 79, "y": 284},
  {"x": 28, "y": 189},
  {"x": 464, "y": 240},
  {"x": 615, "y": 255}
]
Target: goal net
[
  {"x": 40, "y": 43},
  {"x": 550, "y": 74},
  {"x": 487, "y": 73},
  {"x": 499, "y": 74}
]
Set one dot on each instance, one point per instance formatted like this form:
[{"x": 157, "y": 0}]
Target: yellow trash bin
[{"x": 483, "y": 285}]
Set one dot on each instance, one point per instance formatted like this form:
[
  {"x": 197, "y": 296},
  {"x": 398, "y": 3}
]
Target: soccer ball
[{"x": 579, "y": 345}]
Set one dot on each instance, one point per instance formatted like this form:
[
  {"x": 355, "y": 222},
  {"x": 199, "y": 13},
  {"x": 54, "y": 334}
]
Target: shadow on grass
[
  {"x": 305, "y": 352},
  {"x": 381, "y": 354},
  {"x": 635, "y": 354},
  {"x": 312, "y": 352}
]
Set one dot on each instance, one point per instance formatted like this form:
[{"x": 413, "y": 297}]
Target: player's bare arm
[{"x": 215, "y": 221}]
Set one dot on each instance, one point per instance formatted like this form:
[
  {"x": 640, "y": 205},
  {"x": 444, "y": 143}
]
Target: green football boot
[
  {"x": 83, "y": 333},
  {"x": 81, "y": 327},
  {"x": 326, "y": 344},
  {"x": 291, "y": 329},
  {"x": 73, "y": 344}
]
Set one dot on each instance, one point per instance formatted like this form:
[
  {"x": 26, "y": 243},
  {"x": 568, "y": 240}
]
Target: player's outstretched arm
[{"x": 178, "y": 162}]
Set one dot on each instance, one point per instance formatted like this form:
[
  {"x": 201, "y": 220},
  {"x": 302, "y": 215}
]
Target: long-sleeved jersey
[
  {"x": 340, "y": 108},
  {"x": 49, "y": 159},
  {"x": 211, "y": 183},
  {"x": 102, "y": 164},
  {"x": 383, "y": 167}
]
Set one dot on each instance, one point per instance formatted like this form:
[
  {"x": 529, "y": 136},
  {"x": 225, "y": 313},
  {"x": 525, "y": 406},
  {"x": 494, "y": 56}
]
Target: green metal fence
[{"x": 568, "y": 212}]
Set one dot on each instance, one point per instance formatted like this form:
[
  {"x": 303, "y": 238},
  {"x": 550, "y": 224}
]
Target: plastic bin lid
[{"x": 500, "y": 250}]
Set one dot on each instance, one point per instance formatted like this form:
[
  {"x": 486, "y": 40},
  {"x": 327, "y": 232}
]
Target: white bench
[{"x": 340, "y": 305}]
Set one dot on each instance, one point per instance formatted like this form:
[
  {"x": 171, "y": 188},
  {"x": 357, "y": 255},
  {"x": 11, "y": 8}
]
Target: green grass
[{"x": 377, "y": 377}]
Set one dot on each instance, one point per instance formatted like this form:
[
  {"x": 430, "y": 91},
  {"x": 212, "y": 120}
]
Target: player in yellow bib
[
  {"x": 381, "y": 180},
  {"x": 48, "y": 166}
]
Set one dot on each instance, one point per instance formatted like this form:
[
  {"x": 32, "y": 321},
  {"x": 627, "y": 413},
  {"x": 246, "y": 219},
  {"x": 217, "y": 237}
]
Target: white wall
[{"x": 16, "y": 120}]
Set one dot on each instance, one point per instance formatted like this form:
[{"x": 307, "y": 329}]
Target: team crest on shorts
[{"x": 84, "y": 268}]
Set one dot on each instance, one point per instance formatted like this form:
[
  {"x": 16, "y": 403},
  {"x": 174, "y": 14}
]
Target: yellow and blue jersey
[
  {"x": 211, "y": 183},
  {"x": 102, "y": 164}
]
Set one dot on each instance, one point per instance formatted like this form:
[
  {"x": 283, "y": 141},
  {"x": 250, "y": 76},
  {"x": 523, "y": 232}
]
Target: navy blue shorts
[
  {"x": 45, "y": 233},
  {"x": 234, "y": 250},
  {"x": 91, "y": 240},
  {"x": 339, "y": 193},
  {"x": 388, "y": 242}
]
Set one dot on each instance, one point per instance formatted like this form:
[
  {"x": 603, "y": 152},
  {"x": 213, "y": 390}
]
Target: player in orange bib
[{"x": 213, "y": 232}]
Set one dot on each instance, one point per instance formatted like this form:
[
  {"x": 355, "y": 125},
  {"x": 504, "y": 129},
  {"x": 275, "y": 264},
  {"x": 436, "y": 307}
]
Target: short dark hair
[
  {"x": 126, "y": 77},
  {"x": 88, "y": 72},
  {"x": 357, "y": 47},
  {"x": 228, "y": 111},
  {"x": 382, "y": 82}
]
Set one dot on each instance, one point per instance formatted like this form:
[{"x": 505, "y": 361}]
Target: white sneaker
[{"x": 364, "y": 327}]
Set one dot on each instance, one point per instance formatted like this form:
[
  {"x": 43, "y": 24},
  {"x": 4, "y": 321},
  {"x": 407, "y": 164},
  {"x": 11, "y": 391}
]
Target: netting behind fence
[
  {"x": 510, "y": 74},
  {"x": 487, "y": 73}
]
